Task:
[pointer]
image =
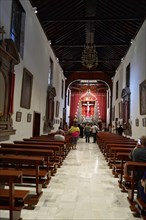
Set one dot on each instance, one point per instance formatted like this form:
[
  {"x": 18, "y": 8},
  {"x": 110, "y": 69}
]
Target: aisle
[{"x": 83, "y": 188}]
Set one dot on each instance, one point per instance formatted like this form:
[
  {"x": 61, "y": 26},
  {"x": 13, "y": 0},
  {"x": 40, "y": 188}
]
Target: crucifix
[
  {"x": 2, "y": 32},
  {"x": 88, "y": 108}
]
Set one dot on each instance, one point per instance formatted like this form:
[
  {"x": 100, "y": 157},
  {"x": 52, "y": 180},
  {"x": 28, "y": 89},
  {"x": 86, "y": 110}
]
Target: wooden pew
[
  {"x": 113, "y": 151},
  {"x": 130, "y": 168},
  {"x": 125, "y": 144},
  {"x": 141, "y": 208},
  {"x": 30, "y": 168},
  {"x": 123, "y": 157},
  {"x": 55, "y": 160},
  {"x": 11, "y": 199},
  {"x": 64, "y": 147}
]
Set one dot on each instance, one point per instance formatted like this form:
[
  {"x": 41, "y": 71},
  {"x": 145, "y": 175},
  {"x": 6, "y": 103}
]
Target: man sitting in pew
[
  {"x": 141, "y": 191},
  {"x": 141, "y": 198},
  {"x": 138, "y": 154}
]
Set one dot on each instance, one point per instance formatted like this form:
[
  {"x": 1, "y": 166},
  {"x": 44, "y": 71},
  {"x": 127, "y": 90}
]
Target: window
[
  {"x": 117, "y": 89},
  {"x": 50, "y": 75},
  {"x": 128, "y": 76},
  {"x": 62, "y": 92},
  {"x": 68, "y": 97},
  {"x": 18, "y": 26}
]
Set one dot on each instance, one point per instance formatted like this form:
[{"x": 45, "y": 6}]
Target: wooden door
[{"x": 36, "y": 124}]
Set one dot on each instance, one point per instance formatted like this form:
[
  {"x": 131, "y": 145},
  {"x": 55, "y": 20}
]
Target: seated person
[
  {"x": 60, "y": 135},
  {"x": 138, "y": 154},
  {"x": 141, "y": 191}
]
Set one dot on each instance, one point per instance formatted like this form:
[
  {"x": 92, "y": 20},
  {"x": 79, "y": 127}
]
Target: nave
[{"x": 82, "y": 189}]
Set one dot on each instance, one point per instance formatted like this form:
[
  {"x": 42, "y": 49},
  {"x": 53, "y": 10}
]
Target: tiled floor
[{"x": 82, "y": 189}]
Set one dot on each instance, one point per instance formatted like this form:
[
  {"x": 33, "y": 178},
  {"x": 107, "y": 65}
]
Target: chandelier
[{"x": 89, "y": 56}]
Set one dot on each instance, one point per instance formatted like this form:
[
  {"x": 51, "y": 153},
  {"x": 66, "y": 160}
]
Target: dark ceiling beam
[
  {"x": 79, "y": 61},
  {"x": 100, "y": 45},
  {"x": 91, "y": 20},
  {"x": 89, "y": 71}
]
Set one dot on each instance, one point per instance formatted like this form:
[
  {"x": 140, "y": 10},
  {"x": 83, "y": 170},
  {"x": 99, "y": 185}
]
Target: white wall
[
  {"x": 36, "y": 59},
  {"x": 136, "y": 56}
]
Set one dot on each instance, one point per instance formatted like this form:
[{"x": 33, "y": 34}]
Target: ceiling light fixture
[
  {"x": 89, "y": 56},
  {"x": 35, "y": 10}
]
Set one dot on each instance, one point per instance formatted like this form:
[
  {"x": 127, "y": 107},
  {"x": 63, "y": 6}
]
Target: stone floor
[{"x": 82, "y": 189}]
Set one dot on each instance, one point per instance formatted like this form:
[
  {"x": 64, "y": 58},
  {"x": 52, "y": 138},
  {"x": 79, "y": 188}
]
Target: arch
[{"x": 88, "y": 76}]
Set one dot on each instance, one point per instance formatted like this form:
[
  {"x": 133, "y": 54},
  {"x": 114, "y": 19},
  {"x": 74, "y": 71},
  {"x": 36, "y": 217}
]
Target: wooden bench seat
[
  {"x": 56, "y": 147},
  {"x": 7, "y": 148},
  {"x": 54, "y": 159},
  {"x": 130, "y": 168},
  {"x": 11, "y": 199},
  {"x": 112, "y": 159},
  {"x": 19, "y": 197},
  {"x": 32, "y": 172},
  {"x": 141, "y": 208},
  {"x": 107, "y": 150}
]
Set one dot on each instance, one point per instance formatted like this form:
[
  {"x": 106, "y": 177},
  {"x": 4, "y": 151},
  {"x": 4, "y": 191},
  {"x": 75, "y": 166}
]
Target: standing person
[
  {"x": 75, "y": 132},
  {"x": 87, "y": 131},
  {"x": 94, "y": 130},
  {"x": 81, "y": 130},
  {"x": 120, "y": 130}
]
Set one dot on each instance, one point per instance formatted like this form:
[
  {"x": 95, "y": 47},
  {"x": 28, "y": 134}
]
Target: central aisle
[{"x": 82, "y": 189}]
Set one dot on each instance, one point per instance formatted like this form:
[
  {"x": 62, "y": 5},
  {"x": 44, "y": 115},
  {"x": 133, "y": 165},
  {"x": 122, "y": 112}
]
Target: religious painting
[
  {"x": 29, "y": 117},
  {"x": 144, "y": 122},
  {"x": 137, "y": 122},
  {"x": 26, "y": 89},
  {"x": 120, "y": 110},
  {"x": 57, "y": 108},
  {"x": 62, "y": 89},
  {"x": 113, "y": 113},
  {"x": 142, "y": 88},
  {"x": 18, "y": 116}
]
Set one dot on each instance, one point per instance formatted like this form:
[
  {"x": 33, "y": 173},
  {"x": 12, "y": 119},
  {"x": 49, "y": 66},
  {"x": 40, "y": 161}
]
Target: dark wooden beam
[
  {"x": 79, "y": 61},
  {"x": 82, "y": 46},
  {"x": 46, "y": 20}
]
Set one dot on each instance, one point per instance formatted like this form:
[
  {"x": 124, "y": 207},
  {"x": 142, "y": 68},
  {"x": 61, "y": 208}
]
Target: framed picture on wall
[
  {"x": 137, "y": 122},
  {"x": 26, "y": 89},
  {"x": 142, "y": 88},
  {"x": 113, "y": 113},
  {"x": 29, "y": 117},
  {"x": 120, "y": 110},
  {"x": 18, "y": 116},
  {"x": 144, "y": 122},
  {"x": 57, "y": 108}
]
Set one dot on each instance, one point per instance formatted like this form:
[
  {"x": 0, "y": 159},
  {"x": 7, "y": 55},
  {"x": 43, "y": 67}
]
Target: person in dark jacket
[
  {"x": 138, "y": 154},
  {"x": 120, "y": 130},
  {"x": 87, "y": 131}
]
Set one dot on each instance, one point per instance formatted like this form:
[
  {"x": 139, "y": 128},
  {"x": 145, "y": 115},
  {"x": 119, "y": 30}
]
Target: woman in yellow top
[{"x": 74, "y": 131}]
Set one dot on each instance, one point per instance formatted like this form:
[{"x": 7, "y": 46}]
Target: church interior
[{"x": 63, "y": 62}]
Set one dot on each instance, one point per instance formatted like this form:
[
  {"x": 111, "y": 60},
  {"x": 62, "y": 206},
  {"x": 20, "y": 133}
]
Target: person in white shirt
[{"x": 94, "y": 130}]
